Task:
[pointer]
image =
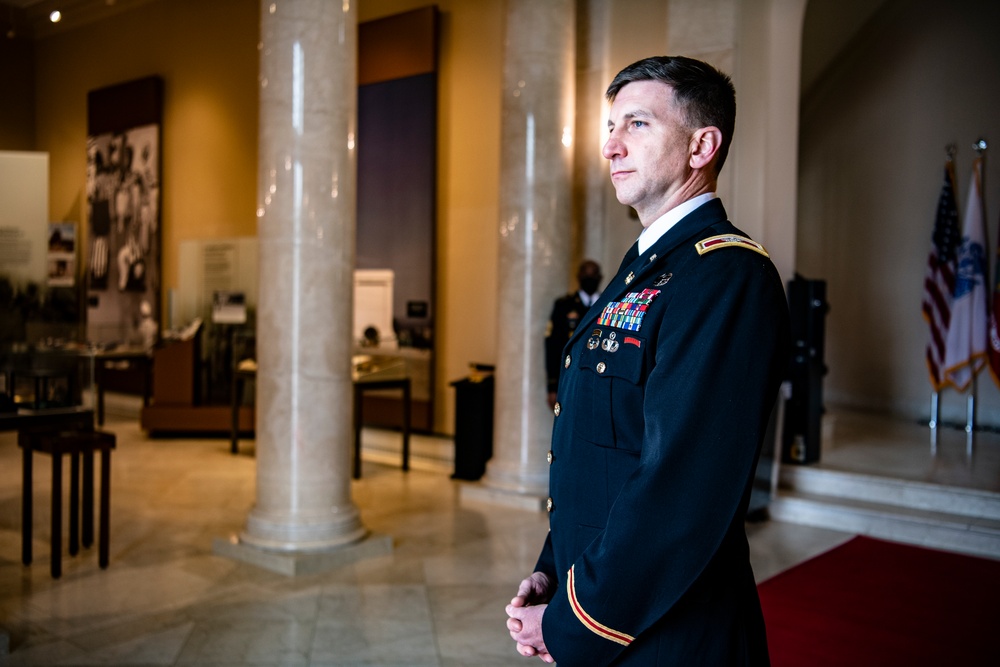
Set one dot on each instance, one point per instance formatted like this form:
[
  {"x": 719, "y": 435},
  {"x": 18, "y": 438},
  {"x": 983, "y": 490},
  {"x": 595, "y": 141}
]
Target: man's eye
[{"x": 638, "y": 123}]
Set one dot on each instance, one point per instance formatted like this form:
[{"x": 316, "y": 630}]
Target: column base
[
  {"x": 294, "y": 563},
  {"x": 481, "y": 493}
]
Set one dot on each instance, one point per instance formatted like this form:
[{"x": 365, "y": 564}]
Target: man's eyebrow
[{"x": 629, "y": 115}]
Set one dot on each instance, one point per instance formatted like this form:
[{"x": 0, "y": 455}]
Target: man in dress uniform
[
  {"x": 665, "y": 394},
  {"x": 566, "y": 314}
]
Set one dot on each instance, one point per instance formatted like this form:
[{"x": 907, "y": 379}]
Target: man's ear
[{"x": 705, "y": 143}]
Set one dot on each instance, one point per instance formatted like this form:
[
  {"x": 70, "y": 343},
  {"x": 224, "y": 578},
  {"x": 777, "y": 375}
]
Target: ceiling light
[{"x": 55, "y": 16}]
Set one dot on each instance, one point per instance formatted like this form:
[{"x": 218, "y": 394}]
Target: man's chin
[{"x": 623, "y": 197}]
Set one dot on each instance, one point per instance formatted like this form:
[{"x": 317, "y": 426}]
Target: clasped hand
[{"x": 525, "y": 613}]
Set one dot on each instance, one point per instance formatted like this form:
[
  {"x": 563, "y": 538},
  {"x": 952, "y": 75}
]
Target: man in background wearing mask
[{"x": 566, "y": 314}]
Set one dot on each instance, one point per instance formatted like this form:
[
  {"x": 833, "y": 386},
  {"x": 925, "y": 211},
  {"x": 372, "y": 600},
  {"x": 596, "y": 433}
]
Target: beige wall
[
  {"x": 17, "y": 80},
  {"x": 921, "y": 74},
  {"x": 206, "y": 53},
  {"x": 207, "y": 56}
]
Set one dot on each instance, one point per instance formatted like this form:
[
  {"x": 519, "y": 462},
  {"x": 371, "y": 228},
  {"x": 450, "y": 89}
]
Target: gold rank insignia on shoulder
[{"x": 727, "y": 240}]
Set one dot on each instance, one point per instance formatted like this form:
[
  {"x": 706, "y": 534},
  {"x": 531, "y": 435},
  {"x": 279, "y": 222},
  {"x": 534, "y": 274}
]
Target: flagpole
[
  {"x": 970, "y": 420},
  {"x": 935, "y": 415},
  {"x": 970, "y": 425}
]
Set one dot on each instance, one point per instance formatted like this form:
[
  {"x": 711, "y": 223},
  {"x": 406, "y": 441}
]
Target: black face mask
[{"x": 590, "y": 284}]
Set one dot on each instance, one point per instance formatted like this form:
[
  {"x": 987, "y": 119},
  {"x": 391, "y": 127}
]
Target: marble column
[
  {"x": 535, "y": 234},
  {"x": 305, "y": 229},
  {"x": 592, "y": 187}
]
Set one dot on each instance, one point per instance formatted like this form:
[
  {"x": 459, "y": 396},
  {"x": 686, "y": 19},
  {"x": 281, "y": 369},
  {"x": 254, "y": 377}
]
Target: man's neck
[{"x": 697, "y": 184}]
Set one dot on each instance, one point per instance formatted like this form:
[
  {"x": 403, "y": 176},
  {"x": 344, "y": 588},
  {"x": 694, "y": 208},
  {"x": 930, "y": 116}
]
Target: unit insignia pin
[
  {"x": 663, "y": 280},
  {"x": 629, "y": 278},
  {"x": 594, "y": 340}
]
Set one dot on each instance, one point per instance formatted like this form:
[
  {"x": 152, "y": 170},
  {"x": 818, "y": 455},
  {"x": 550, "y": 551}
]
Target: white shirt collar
[
  {"x": 588, "y": 299},
  {"x": 659, "y": 227}
]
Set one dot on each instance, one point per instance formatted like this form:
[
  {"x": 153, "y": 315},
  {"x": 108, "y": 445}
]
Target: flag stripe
[{"x": 939, "y": 282}]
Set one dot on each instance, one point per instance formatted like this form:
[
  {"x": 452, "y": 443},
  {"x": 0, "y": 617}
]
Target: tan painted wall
[
  {"x": 921, "y": 74},
  {"x": 207, "y": 54},
  {"x": 17, "y": 80}
]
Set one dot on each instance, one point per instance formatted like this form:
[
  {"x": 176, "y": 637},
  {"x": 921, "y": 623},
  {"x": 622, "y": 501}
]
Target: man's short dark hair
[{"x": 706, "y": 95}]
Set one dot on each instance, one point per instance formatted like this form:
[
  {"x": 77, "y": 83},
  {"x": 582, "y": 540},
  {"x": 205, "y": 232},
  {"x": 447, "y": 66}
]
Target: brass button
[
  {"x": 557, "y": 409},
  {"x": 601, "y": 367},
  {"x": 567, "y": 362},
  {"x": 549, "y": 457},
  {"x": 548, "y": 505}
]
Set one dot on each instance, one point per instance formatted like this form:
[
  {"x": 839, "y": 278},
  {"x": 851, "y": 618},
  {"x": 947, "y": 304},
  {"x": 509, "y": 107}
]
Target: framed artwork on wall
[{"x": 123, "y": 205}]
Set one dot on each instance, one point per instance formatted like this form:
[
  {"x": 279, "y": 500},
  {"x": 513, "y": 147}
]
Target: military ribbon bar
[{"x": 628, "y": 313}]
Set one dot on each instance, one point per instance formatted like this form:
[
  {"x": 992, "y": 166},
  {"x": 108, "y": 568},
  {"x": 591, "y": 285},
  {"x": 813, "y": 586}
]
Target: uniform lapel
[{"x": 693, "y": 224}]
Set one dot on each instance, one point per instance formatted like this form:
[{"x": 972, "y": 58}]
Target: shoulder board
[{"x": 726, "y": 240}]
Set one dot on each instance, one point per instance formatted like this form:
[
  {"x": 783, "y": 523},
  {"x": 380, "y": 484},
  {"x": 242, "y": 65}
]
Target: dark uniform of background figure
[
  {"x": 664, "y": 398},
  {"x": 566, "y": 314}
]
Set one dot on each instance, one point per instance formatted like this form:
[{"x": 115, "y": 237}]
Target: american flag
[{"x": 939, "y": 281}]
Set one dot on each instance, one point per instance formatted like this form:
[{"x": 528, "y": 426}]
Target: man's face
[{"x": 648, "y": 147}]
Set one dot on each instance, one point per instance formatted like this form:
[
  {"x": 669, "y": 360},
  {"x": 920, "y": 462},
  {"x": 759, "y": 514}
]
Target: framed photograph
[{"x": 61, "y": 255}]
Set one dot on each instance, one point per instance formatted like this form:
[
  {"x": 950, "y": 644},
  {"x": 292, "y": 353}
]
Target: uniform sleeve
[
  {"x": 720, "y": 351},
  {"x": 546, "y": 560}
]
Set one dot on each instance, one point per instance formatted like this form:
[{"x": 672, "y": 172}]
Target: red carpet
[{"x": 871, "y": 602}]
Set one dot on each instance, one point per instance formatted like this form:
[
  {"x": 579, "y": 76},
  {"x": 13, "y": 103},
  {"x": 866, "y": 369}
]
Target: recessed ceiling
[{"x": 30, "y": 18}]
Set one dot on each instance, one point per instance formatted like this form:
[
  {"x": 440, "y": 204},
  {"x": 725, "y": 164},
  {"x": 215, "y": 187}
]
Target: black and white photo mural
[{"x": 123, "y": 206}]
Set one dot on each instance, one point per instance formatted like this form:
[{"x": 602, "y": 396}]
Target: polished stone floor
[
  {"x": 438, "y": 599},
  {"x": 869, "y": 443}
]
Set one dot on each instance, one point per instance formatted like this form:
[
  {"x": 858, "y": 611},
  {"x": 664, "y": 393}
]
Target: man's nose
[{"x": 613, "y": 147}]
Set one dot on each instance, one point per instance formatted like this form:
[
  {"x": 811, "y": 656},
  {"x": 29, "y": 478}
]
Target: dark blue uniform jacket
[{"x": 666, "y": 391}]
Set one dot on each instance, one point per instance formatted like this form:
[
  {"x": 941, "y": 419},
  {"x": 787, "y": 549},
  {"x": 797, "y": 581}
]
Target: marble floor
[
  {"x": 166, "y": 599},
  {"x": 870, "y": 443}
]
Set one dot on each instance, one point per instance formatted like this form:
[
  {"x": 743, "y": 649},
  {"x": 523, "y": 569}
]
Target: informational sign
[
  {"x": 24, "y": 191},
  {"x": 229, "y": 308}
]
